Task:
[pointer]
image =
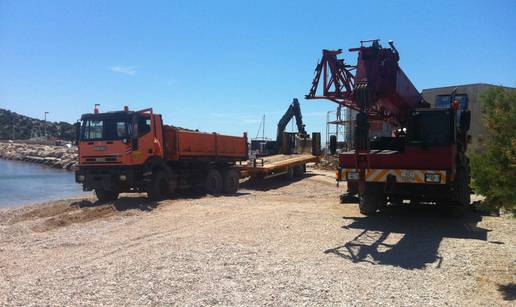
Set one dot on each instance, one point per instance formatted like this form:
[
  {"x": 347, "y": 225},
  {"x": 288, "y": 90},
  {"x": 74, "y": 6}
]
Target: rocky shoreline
[{"x": 54, "y": 156}]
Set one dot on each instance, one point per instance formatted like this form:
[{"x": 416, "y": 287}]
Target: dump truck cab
[
  {"x": 115, "y": 148},
  {"x": 123, "y": 137}
]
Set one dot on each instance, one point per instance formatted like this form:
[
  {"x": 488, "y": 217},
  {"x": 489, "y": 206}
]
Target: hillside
[{"x": 16, "y": 126}]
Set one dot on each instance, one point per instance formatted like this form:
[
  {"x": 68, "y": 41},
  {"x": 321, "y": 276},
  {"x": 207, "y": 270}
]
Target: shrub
[{"x": 493, "y": 162}]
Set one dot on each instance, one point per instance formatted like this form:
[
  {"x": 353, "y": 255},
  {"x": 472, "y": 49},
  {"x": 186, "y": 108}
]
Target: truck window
[
  {"x": 93, "y": 129},
  {"x": 121, "y": 129},
  {"x": 430, "y": 128},
  {"x": 105, "y": 129},
  {"x": 144, "y": 125}
]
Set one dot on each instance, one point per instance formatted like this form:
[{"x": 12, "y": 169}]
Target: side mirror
[
  {"x": 77, "y": 126},
  {"x": 465, "y": 120}
]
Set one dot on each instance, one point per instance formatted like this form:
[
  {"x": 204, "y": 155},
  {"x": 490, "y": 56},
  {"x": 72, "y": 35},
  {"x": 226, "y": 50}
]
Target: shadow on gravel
[
  {"x": 121, "y": 204},
  {"x": 143, "y": 203},
  {"x": 508, "y": 291},
  {"x": 421, "y": 230},
  {"x": 272, "y": 183}
]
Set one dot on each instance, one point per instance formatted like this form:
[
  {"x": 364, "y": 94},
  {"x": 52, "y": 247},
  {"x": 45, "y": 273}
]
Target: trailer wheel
[
  {"x": 105, "y": 195},
  {"x": 371, "y": 201},
  {"x": 299, "y": 170},
  {"x": 290, "y": 173},
  {"x": 230, "y": 181},
  {"x": 214, "y": 183},
  {"x": 159, "y": 188}
]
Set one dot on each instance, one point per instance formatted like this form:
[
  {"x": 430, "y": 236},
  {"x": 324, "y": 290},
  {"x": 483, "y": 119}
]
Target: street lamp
[{"x": 45, "y": 124}]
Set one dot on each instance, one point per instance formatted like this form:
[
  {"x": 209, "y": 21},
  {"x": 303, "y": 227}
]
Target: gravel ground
[{"x": 273, "y": 244}]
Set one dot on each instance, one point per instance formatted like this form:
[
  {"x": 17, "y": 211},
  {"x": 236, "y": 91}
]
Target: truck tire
[
  {"x": 371, "y": 201},
  {"x": 158, "y": 188},
  {"x": 231, "y": 180},
  {"x": 352, "y": 187},
  {"x": 105, "y": 195},
  {"x": 214, "y": 183},
  {"x": 462, "y": 195}
]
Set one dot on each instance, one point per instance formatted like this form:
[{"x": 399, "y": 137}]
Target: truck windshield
[
  {"x": 431, "y": 127},
  {"x": 105, "y": 129}
]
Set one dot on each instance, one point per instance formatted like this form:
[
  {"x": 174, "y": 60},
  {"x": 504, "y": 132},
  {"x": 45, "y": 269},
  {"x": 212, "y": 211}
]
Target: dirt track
[{"x": 272, "y": 244}]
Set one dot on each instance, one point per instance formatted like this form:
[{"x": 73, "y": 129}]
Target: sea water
[{"x": 24, "y": 183}]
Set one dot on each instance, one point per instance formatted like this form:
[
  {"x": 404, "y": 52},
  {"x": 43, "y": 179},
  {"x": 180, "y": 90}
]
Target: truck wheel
[
  {"x": 371, "y": 201},
  {"x": 105, "y": 195},
  {"x": 462, "y": 192},
  {"x": 352, "y": 187},
  {"x": 230, "y": 181},
  {"x": 158, "y": 188},
  {"x": 299, "y": 170},
  {"x": 214, "y": 182}
]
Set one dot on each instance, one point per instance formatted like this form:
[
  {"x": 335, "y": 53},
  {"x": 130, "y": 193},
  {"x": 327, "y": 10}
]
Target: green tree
[{"x": 493, "y": 162}]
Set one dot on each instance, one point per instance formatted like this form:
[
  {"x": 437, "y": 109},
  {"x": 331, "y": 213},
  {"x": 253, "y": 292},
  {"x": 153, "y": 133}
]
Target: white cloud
[{"x": 127, "y": 70}]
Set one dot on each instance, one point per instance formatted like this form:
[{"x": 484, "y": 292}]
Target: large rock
[{"x": 55, "y": 156}]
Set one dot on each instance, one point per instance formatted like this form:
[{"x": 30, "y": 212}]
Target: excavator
[
  {"x": 424, "y": 161},
  {"x": 293, "y": 111},
  {"x": 285, "y": 141}
]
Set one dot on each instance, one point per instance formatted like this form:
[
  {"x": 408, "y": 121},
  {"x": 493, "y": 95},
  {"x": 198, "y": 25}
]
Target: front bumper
[
  {"x": 402, "y": 176},
  {"x": 111, "y": 178}
]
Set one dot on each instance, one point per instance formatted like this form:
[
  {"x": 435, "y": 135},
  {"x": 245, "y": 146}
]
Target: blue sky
[{"x": 221, "y": 65}]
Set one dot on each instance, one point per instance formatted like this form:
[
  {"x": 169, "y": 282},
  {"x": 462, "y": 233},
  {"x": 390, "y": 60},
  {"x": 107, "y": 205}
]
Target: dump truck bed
[
  {"x": 276, "y": 165},
  {"x": 184, "y": 144}
]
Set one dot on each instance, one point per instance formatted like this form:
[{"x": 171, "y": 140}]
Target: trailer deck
[{"x": 276, "y": 165}]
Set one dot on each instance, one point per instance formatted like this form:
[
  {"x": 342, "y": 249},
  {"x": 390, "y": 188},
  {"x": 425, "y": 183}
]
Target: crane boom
[{"x": 376, "y": 85}]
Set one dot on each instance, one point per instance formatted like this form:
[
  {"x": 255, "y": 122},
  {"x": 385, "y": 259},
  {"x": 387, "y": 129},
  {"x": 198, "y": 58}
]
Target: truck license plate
[{"x": 407, "y": 175}]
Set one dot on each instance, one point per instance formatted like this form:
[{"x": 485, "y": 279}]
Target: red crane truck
[
  {"x": 132, "y": 151},
  {"x": 424, "y": 160}
]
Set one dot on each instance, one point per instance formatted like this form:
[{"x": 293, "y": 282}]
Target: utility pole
[
  {"x": 263, "y": 128},
  {"x": 45, "y": 125}
]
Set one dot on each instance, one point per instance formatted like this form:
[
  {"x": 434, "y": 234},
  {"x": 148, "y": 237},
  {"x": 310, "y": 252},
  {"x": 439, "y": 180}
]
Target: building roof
[{"x": 469, "y": 85}]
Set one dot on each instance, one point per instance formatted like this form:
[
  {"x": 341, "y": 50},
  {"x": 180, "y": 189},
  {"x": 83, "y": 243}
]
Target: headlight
[
  {"x": 352, "y": 175},
  {"x": 432, "y": 178}
]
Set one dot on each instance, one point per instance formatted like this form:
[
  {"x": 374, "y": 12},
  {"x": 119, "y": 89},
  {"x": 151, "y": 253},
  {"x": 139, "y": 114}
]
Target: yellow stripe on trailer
[{"x": 402, "y": 175}]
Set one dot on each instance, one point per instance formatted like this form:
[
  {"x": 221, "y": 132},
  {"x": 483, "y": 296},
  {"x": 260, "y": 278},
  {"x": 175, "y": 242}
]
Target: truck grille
[{"x": 100, "y": 159}]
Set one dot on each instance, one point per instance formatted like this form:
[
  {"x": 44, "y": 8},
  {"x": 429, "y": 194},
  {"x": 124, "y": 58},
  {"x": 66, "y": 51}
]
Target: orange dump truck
[{"x": 132, "y": 151}]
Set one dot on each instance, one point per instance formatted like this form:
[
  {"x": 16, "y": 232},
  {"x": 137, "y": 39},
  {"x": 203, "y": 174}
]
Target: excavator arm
[{"x": 294, "y": 110}]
